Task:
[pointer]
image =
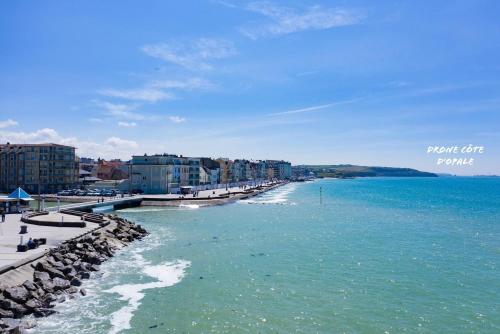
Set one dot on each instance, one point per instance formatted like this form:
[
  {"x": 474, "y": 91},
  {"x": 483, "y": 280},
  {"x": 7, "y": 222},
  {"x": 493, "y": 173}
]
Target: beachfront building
[
  {"x": 43, "y": 168},
  {"x": 110, "y": 170},
  {"x": 209, "y": 171},
  {"x": 279, "y": 169},
  {"x": 239, "y": 171},
  {"x": 226, "y": 170},
  {"x": 194, "y": 171},
  {"x": 258, "y": 170},
  {"x": 159, "y": 173}
]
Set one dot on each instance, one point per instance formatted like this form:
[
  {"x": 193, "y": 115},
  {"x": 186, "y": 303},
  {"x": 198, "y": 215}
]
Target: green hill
[{"x": 348, "y": 171}]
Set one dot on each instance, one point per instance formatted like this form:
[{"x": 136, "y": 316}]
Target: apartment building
[{"x": 44, "y": 168}]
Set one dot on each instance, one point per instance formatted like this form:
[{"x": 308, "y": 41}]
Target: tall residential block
[{"x": 44, "y": 168}]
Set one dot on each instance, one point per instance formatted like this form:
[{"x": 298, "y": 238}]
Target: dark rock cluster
[{"x": 59, "y": 275}]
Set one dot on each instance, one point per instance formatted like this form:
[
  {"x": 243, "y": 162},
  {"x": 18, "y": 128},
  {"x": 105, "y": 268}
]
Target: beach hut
[{"x": 17, "y": 201}]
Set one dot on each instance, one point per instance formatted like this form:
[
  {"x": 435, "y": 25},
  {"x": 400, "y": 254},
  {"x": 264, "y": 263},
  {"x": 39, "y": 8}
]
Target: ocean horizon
[{"x": 364, "y": 255}]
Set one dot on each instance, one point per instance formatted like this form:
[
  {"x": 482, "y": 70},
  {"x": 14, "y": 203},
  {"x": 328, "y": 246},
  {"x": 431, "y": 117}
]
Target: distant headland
[{"x": 350, "y": 171}]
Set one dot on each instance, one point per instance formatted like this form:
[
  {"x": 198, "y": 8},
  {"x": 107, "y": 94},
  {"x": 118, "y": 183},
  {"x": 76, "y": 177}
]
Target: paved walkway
[{"x": 10, "y": 237}]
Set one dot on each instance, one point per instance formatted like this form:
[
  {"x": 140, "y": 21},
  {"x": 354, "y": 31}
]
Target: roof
[
  {"x": 19, "y": 193},
  {"x": 84, "y": 172}
]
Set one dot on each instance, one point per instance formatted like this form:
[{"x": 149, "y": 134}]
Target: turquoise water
[{"x": 378, "y": 255}]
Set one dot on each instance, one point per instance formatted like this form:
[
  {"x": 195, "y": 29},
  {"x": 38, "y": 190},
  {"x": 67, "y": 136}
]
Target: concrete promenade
[{"x": 12, "y": 261}]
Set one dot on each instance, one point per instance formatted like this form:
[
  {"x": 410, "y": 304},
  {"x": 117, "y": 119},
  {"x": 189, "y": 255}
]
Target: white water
[
  {"x": 123, "y": 278},
  {"x": 277, "y": 196},
  {"x": 166, "y": 274}
]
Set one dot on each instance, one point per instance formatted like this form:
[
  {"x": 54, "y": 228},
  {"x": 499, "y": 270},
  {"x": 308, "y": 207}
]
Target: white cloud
[
  {"x": 288, "y": 20},
  {"x": 189, "y": 84},
  {"x": 177, "y": 119},
  {"x": 313, "y": 108},
  {"x": 194, "y": 55},
  {"x": 121, "y": 143},
  {"x": 143, "y": 94},
  {"x": 8, "y": 123},
  {"x": 127, "y": 124},
  {"x": 113, "y": 147},
  {"x": 123, "y": 111},
  {"x": 96, "y": 120}
]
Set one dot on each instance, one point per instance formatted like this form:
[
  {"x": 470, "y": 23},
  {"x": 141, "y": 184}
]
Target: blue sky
[{"x": 358, "y": 82}]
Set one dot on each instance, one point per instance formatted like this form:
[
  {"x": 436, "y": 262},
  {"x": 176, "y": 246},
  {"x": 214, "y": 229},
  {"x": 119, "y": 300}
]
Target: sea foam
[
  {"x": 166, "y": 274},
  {"x": 277, "y": 196}
]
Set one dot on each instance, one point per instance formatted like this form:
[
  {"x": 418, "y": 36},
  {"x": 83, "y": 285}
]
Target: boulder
[
  {"x": 84, "y": 274},
  {"x": 32, "y": 304},
  {"x": 7, "y": 304},
  {"x": 50, "y": 297},
  {"x": 34, "y": 294},
  {"x": 72, "y": 256},
  {"x": 29, "y": 285},
  {"x": 53, "y": 272},
  {"x": 19, "y": 311},
  {"x": 18, "y": 294},
  {"x": 72, "y": 290},
  {"x": 47, "y": 285},
  {"x": 41, "y": 266},
  {"x": 42, "y": 312},
  {"x": 76, "y": 282},
  {"x": 60, "y": 283},
  {"x": 6, "y": 313},
  {"x": 94, "y": 267},
  {"x": 41, "y": 276},
  {"x": 83, "y": 292}
]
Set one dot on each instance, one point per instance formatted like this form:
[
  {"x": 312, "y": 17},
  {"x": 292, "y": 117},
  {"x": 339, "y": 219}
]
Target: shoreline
[{"x": 57, "y": 274}]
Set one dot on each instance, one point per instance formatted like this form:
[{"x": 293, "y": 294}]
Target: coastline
[{"x": 37, "y": 284}]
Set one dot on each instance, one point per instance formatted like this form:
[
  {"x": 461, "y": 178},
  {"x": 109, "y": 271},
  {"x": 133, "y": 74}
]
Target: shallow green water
[{"x": 378, "y": 255}]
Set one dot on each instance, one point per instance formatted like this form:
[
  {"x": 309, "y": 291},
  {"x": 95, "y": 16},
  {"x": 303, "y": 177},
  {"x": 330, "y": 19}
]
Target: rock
[
  {"x": 6, "y": 313},
  {"x": 33, "y": 303},
  {"x": 72, "y": 290},
  {"x": 72, "y": 256},
  {"x": 94, "y": 267},
  {"x": 76, "y": 282},
  {"x": 53, "y": 272},
  {"x": 18, "y": 294},
  {"x": 34, "y": 294},
  {"x": 84, "y": 274},
  {"x": 50, "y": 297},
  {"x": 3, "y": 324},
  {"x": 42, "y": 312},
  {"x": 41, "y": 276},
  {"x": 47, "y": 285},
  {"x": 67, "y": 262},
  {"x": 29, "y": 285},
  {"x": 6, "y": 303},
  {"x": 93, "y": 258},
  {"x": 60, "y": 283},
  {"x": 19, "y": 311},
  {"x": 83, "y": 292},
  {"x": 61, "y": 299},
  {"x": 41, "y": 266}
]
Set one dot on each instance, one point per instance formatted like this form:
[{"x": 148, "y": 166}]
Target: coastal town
[{"x": 53, "y": 168}]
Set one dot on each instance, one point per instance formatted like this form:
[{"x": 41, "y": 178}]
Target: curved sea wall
[{"x": 58, "y": 275}]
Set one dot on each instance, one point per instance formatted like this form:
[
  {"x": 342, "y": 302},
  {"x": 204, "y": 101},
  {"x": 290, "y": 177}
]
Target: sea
[{"x": 365, "y": 255}]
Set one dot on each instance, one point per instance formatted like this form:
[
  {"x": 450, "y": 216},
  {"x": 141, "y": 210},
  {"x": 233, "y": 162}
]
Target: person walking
[{"x": 3, "y": 216}]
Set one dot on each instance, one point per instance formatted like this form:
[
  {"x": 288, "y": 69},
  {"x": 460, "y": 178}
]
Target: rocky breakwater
[{"x": 59, "y": 274}]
